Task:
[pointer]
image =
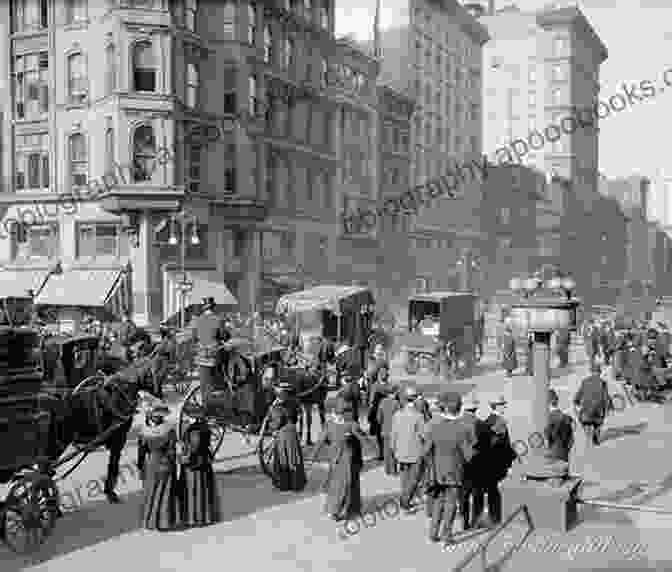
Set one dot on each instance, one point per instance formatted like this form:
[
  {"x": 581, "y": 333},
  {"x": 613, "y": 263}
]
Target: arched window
[
  {"x": 251, "y": 22},
  {"x": 110, "y": 69},
  {"x": 192, "y": 85},
  {"x": 144, "y": 153},
  {"x": 79, "y": 162},
  {"x": 76, "y": 78},
  {"x": 190, "y": 11},
  {"x": 144, "y": 67},
  {"x": 268, "y": 44}
]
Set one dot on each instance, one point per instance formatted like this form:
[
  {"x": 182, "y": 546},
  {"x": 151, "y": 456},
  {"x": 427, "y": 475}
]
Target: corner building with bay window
[{"x": 104, "y": 88}]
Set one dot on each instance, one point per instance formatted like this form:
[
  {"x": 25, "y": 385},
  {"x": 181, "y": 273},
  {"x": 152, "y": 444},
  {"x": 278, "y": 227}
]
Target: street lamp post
[
  {"x": 185, "y": 285},
  {"x": 542, "y": 307}
]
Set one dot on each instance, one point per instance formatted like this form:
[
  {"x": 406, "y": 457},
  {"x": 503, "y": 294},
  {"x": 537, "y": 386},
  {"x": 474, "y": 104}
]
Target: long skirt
[
  {"x": 161, "y": 498},
  {"x": 200, "y": 503},
  {"x": 289, "y": 473},
  {"x": 344, "y": 494}
]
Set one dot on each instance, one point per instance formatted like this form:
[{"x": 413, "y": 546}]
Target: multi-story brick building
[
  {"x": 434, "y": 52},
  {"x": 396, "y": 268},
  {"x": 638, "y": 291},
  {"x": 538, "y": 68},
  {"x": 119, "y": 83}
]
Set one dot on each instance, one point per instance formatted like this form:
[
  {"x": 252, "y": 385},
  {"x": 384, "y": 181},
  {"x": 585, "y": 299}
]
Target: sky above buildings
[{"x": 637, "y": 34}]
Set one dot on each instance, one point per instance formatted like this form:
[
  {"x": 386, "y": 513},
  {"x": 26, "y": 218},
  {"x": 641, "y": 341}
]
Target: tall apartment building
[
  {"x": 538, "y": 68},
  {"x": 435, "y": 53},
  {"x": 100, "y": 88}
]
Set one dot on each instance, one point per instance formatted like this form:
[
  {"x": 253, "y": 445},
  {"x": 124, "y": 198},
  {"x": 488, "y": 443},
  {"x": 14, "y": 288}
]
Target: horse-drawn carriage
[
  {"x": 239, "y": 401},
  {"x": 440, "y": 322},
  {"x": 52, "y": 396}
]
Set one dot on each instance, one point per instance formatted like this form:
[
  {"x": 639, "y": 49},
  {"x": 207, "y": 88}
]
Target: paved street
[{"x": 265, "y": 528}]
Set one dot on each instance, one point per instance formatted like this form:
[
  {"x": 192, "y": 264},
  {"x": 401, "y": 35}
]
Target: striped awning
[
  {"x": 318, "y": 298},
  {"x": 18, "y": 283},
  {"x": 91, "y": 288}
]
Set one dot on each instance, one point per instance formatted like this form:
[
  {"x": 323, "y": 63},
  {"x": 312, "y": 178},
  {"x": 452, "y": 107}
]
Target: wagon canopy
[
  {"x": 18, "y": 283},
  {"x": 453, "y": 311},
  {"x": 332, "y": 298}
]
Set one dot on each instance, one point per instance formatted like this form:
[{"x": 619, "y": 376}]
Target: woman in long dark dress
[
  {"x": 200, "y": 503},
  {"x": 289, "y": 473},
  {"x": 158, "y": 470},
  {"x": 342, "y": 485}
]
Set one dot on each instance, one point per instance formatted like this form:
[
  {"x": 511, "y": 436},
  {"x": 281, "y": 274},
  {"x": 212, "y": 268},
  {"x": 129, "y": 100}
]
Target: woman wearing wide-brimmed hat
[
  {"x": 289, "y": 473},
  {"x": 158, "y": 470},
  {"x": 200, "y": 502},
  {"x": 342, "y": 485}
]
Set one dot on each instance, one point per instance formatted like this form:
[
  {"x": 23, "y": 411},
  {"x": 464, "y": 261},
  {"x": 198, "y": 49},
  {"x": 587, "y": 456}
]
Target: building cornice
[{"x": 572, "y": 16}]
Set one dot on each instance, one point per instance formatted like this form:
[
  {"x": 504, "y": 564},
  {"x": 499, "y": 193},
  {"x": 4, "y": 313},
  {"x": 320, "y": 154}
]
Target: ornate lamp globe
[
  {"x": 568, "y": 284},
  {"x": 555, "y": 283},
  {"x": 515, "y": 284},
  {"x": 531, "y": 284}
]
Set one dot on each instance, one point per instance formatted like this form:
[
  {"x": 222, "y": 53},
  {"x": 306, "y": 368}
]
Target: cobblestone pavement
[{"x": 266, "y": 529}]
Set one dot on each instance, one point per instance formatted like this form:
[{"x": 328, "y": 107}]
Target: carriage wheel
[
  {"x": 89, "y": 382},
  {"x": 266, "y": 447},
  {"x": 30, "y": 512},
  {"x": 193, "y": 406}
]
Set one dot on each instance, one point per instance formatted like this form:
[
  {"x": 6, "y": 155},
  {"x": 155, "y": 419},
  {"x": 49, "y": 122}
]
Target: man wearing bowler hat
[
  {"x": 449, "y": 444},
  {"x": 476, "y": 469},
  {"x": 210, "y": 332}
]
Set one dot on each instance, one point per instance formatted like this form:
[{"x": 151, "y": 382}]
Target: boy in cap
[
  {"x": 406, "y": 441},
  {"x": 449, "y": 444}
]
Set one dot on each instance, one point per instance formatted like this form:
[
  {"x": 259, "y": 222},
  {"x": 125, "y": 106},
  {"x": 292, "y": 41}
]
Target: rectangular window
[
  {"x": 110, "y": 69},
  {"x": 109, "y": 151},
  {"x": 31, "y": 87},
  {"x": 229, "y": 13},
  {"x": 560, "y": 46},
  {"x": 252, "y": 106},
  {"x": 190, "y": 13},
  {"x": 32, "y": 162},
  {"x": 194, "y": 166},
  {"x": 556, "y": 96},
  {"x": 75, "y": 11},
  {"x": 42, "y": 242},
  {"x": 559, "y": 72},
  {"x": 100, "y": 240},
  {"x": 230, "y": 79},
  {"x": 271, "y": 176},
  {"x": 79, "y": 163},
  {"x": 30, "y": 15},
  {"x": 324, "y": 17},
  {"x": 192, "y": 85},
  {"x": 532, "y": 99},
  {"x": 308, "y": 10}
]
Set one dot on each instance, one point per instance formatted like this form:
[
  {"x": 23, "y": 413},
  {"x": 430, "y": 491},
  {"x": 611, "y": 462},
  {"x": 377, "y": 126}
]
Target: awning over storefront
[
  {"x": 203, "y": 285},
  {"x": 91, "y": 288},
  {"x": 18, "y": 283}
]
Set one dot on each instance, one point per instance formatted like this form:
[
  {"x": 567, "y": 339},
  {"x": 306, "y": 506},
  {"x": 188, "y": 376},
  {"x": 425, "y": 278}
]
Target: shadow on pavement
[
  {"x": 87, "y": 526},
  {"x": 613, "y": 433}
]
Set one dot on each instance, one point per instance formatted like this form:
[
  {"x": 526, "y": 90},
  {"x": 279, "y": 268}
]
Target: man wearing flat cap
[
  {"x": 449, "y": 445},
  {"x": 406, "y": 441},
  {"x": 592, "y": 402},
  {"x": 210, "y": 332}
]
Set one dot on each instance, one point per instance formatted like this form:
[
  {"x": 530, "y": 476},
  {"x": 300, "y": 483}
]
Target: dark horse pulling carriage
[
  {"x": 240, "y": 402},
  {"x": 52, "y": 396}
]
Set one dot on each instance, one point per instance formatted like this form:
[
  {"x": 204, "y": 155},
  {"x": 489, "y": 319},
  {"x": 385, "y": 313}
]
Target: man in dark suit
[
  {"x": 386, "y": 410},
  {"x": 559, "y": 432},
  {"x": 209, "y": 331},
  {"x": 500, "y": 458},
  {"x": 350, "y": 394},
  {"x": 449, "y": 444},
  {"x": 592, "y": 403},
  {"x": 406, "y": 440},
  {"x": 476, "y": 469}
]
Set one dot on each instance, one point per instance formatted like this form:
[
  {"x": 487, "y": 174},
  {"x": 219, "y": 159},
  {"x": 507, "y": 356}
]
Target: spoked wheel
[
  {"x": 30, "y": 512},
  {"x": 89, "y": 382},
  {"x": 193, "y": 407},
  {"x": 266, "y": 447}
]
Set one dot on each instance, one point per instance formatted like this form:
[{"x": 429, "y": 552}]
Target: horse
[{"x": 104, "y": 411}]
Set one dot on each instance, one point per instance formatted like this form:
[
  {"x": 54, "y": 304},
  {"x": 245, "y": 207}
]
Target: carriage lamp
[{"x": 195, "y": 240}]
